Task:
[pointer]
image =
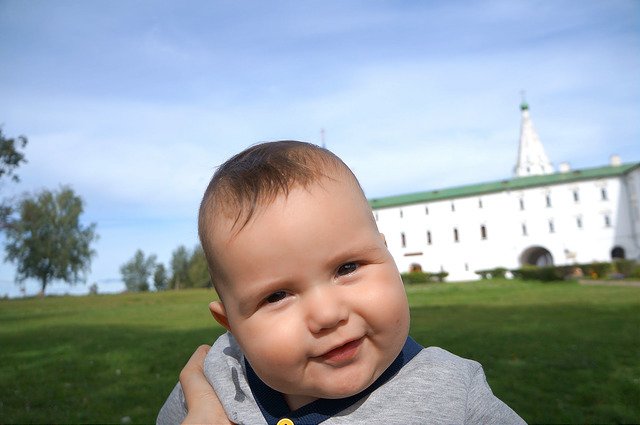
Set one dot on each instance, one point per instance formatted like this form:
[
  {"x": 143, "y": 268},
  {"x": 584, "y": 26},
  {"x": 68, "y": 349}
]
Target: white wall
[{"x": 503, "y": 219}]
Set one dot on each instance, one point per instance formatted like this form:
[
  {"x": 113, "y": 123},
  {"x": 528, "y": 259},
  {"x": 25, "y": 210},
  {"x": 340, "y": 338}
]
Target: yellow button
[{"x": 285, "y": 421}]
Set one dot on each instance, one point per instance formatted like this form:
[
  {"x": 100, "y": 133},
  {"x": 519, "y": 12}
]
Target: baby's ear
[
  {"x": 219, "y": 313},
  {"x": 383, "y": 238}
]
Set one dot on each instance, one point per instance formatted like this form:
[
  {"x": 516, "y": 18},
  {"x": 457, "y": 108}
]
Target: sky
[{"x": 133, "y": 104}]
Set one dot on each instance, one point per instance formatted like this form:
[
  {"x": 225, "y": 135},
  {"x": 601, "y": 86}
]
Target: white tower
[{"x": 532, "y": 160}]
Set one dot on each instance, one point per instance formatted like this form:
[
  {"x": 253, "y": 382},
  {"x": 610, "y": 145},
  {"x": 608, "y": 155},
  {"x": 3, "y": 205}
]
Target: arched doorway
[
  {"x": 415, "y": 267},
  {"x": 617, "y": 253},
  {"x": 536, "y": 256}
]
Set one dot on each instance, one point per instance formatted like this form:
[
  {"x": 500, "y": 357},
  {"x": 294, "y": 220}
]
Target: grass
[{"x": 556, "y": 353}]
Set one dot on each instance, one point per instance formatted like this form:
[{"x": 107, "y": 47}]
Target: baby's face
[{"x": 312, "y": 294}]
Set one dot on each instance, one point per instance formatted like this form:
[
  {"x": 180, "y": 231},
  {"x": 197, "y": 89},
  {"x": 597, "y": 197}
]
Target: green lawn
[{"x": 556, "y": 352}]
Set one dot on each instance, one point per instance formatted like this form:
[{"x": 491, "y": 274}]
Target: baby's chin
[
  {"x": 337, "y": 390},
  {"x": 296, "y": 401}
]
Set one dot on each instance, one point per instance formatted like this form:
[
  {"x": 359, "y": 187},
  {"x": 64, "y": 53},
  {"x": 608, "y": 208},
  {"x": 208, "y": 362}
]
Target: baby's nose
[{"x": 325, "y": 308}]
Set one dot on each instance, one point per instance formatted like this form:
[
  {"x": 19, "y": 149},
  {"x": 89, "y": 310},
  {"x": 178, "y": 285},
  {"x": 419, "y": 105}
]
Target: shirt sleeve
[
  {"x": 174, "y": 409},
  {"x": 482, "y": 406}
]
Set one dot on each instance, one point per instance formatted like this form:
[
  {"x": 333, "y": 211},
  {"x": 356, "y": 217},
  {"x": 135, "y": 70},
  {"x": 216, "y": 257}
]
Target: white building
[{"x": 538, "y": 217}]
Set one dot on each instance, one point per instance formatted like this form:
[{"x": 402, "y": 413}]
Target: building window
[
  {"x": 576, "y": 196},
  {"x": 548, "y": 198},
  {"x": 603, "y": 193},
  {"x": 426, "y": 210},
  {"x": 453, "y": 207},
  {"x": 479, "y": 203},
  {"x": 455, "y": 235},
  {"x": 403, "y": 240},
  {"x": 428, "y": 237},
  {"x": 607, "y": 220},
  {"x": 401, "y": 215},
  {"x": 552, "y": 228},
  {"x": 483, "y": 231},
  {"x": 524, "y": 229},
  {"x": 579, "y": 222},
  {"x": 521, "y": 204}
]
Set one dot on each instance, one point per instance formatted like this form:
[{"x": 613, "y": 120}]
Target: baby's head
[{"x": 307, "y": 285}]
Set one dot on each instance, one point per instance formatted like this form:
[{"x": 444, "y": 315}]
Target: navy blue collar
[{"x": 274, "y": 407}]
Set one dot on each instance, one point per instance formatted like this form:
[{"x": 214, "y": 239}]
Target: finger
[
  {"x": 194, "y": 384},
  {"x": 202, "y": 402}
]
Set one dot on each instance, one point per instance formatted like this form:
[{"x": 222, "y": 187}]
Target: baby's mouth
[{"x": 344, "y": 353}]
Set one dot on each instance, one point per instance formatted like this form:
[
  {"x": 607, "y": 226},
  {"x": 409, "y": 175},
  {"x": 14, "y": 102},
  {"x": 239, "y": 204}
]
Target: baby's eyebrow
[{"x": 354, "y": 253}]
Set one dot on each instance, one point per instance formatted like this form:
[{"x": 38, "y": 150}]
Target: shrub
[
  {"x": 484, "y": 274},
  {"x": 544, "y": 274},
  {"x": 410, "y": 278},
  {"x": 497, "y": 273},
  {"x": 624, "y": 267},
  {"x": 551, "y": 273},
  {"x": 415, "y": 277},
  {"x": 441, "y": 276},
  {"x": 635, "y": 273},
  {"x": 595, "y": 270}
]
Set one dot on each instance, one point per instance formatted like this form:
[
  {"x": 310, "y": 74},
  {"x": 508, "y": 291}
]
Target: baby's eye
[
  {"x": 275, "y": 297},
  {"x": 346, "y": 269}
]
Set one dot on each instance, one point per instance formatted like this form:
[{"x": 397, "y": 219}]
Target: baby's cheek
[
  {"x": 279, "y": 367},
  {"x": 275, "y": 347}
]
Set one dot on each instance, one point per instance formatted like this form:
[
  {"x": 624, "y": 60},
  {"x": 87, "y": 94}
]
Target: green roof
[{"x": 517, "y": 183}]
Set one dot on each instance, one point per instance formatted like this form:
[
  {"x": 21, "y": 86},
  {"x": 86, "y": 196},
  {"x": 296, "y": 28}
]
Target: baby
[{"x": 315, "y": 309}]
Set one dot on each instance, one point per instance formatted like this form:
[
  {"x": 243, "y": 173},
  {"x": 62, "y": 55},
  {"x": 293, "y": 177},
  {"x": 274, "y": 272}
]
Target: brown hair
[{"x": 256, "y": 177}]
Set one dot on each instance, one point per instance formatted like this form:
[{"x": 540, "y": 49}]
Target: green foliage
[
  {"x": 441, "y": 276},
  {"x": 496, "y": 273},
  {"x": 625, "y": 267},
  {"x": 484, "y": 274},
  {"x": 635, "y": 272},
  {"x": 619, "y": 268},
  {"x": 180, "y": 268},
  {"x": 544, "y": 274},
  {"x": 137, "y": 272},
  {"x": 10, "y": 155},
  {"x": 47, "y": 241},
  {"x": 198, "y": 272},
  {"x": 595, "y": 270},
  {"x": 10, "y": 159},
  {"x": 411, "y": 278},
  {"x": 188, "y": 270},
  {"x": 160, "y": 278}
]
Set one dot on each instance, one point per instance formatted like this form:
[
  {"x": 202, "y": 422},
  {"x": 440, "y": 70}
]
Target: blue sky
[{"x": 134, "y": 103}]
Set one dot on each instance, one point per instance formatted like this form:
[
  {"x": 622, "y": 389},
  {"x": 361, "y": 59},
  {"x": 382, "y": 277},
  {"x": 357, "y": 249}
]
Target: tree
[
  {"x": 10, "y": 159},
  {"x": 137, "y": 271},
  {"x": 198, "y": 271},
  {"x": 189, "y": 269},
  {"x": 160, "y": 279},
  {"x": 47, "y": 241},
  {"x": 180, "y": 268}
]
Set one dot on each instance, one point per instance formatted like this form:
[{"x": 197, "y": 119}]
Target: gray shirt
[{"x": 434, "y": 387}]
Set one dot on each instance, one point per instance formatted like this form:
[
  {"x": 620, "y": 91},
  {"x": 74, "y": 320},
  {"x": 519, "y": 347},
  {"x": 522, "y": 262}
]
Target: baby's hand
[{"x": 202, "y": 401}]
